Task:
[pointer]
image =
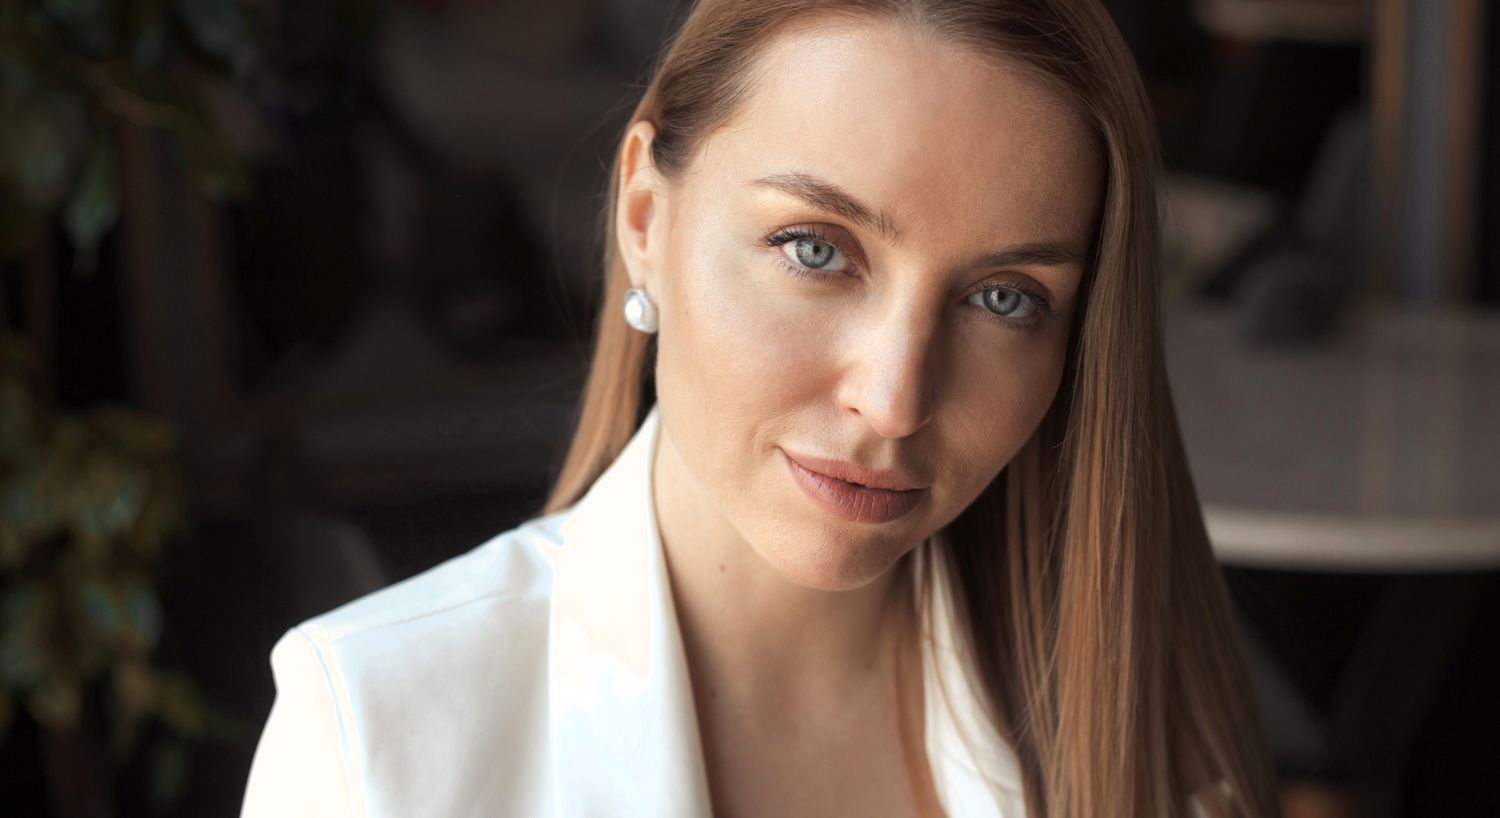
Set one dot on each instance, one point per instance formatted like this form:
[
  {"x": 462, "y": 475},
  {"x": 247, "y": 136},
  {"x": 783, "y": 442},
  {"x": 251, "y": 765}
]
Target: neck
[{"x": 753, "y": 636}]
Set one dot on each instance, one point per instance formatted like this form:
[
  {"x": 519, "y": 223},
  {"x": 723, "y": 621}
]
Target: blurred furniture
[
  {"x": 1374, "y": 452},
  {"x": 1423, "y": 81},
  {"x": 1283, "y": 70},
  {"x": 1318, "y": 20}
]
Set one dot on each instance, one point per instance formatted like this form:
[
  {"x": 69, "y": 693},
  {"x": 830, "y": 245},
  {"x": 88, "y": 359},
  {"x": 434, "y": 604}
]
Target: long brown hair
[{"x": 1093, "y": 607}]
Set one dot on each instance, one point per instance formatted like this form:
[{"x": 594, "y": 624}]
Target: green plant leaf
[
  {"x": 144, "y": 436},
  {"x": 89, "y": 22},
  {"x": 100, "y": 607},
  {"x": 21, "y": 661},
  {"x": 32, "y": 498},
  {"x": 13, "y": 548},
  {"x": 161, "y": 517},
  {"x": 112, "y": 496},
  {"x": 19, "y": 511},
  {"x": 218, "y": 164},
  {"x": 168, "y": 767},
  {"x": 16, "y": 78},
  {"x": 42, "y": 146},
  {"x": 220, "y": 168},
  {"x": 133, "y": 695},
  {"x": 150, "y": 43},
  {"x": 143, "y": 617},
  {"x": 220, "y": 28},
  {"x": 55, "y": 702},
  {"x": 94, "y": 207},
  {"x": 15, "y": 419},
  {"x": 75, "y": 11}
]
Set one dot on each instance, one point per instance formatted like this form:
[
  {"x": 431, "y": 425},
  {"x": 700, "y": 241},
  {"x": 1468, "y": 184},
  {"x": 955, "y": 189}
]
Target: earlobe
[{"x": 638, "y": 205}]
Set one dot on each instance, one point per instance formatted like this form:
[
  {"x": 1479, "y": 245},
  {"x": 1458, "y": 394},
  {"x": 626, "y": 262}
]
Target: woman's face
[{"x": 876, "y": 262}]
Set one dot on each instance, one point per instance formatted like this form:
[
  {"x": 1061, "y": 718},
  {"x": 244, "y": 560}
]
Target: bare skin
[{"x": 917, "y": 343}]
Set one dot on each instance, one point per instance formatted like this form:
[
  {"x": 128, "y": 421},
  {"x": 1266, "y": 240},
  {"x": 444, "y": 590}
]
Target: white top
[{"x": 542, "y": 674}]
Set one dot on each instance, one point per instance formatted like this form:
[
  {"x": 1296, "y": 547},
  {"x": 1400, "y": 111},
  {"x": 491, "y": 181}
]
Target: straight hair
[{"x": 1090, "y": 599}]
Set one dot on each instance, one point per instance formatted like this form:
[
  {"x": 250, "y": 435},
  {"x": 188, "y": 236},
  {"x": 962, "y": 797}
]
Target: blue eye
[
  {"x": 809, "y": 253},
  {"x": 809, "y": 249},
  {"x": 1003, "y": 301}
]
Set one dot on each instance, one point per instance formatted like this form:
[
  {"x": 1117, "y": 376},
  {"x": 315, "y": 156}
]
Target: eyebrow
[
  {"x": 1034, "y": 254},
  {"x": 833, "y": 199}
]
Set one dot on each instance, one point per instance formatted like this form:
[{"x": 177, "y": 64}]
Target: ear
[{"x": 640, "y": 210}]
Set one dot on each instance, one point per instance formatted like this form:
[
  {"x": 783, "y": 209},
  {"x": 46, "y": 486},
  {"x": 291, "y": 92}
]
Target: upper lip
[{"x": 888, "y": 479}]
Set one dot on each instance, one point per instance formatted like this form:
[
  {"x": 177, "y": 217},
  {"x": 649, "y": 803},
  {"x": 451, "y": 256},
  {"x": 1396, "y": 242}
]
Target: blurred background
[{"x": 297, "y": 302}]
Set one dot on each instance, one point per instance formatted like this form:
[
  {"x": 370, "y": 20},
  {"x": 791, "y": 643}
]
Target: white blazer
[{"x": 542, "y": 674}]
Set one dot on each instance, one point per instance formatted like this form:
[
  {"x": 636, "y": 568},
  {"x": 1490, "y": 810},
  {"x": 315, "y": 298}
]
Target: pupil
[
  {"x": 1002, "y": 300},
  {"x": 812, "y": 253}
]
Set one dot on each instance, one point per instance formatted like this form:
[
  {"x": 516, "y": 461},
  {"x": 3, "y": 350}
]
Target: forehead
[{"x": 927, "y": 131}]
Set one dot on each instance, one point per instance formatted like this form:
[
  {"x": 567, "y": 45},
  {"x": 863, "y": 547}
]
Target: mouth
[{"x": 852, "y": 501}]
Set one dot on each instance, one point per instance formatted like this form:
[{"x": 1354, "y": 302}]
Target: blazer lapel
[
  {"x": 624, "y": 732},
  {"x": 975, "y": 770}
]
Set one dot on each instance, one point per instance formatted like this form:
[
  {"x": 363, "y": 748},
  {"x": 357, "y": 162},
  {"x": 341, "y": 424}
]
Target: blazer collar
[
  {"x": 620, "y": 699},
  {"x": 975, "y": 770},
  {"x": 624, "y": 731}
]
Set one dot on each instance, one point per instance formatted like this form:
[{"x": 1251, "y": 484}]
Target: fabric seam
[{"x": 356, "y": 794}]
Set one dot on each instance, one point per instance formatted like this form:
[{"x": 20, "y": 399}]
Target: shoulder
[
  {"x": 512, "y": 569},
  {"x": 455, "y": 624},
  {"x": 380, "y": 699}
]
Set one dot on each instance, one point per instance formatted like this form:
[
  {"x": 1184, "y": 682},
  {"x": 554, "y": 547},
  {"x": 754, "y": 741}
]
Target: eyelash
[{"x": 781, "y": 237}]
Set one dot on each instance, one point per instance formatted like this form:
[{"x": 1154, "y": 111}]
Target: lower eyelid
[
  {"x": 804, "y": 272},
  {"x": 1041, "y": 310},
  {"x": 790, "y": 264}
]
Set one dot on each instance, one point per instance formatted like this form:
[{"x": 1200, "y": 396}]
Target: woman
[{"x": 907, "y": 529}]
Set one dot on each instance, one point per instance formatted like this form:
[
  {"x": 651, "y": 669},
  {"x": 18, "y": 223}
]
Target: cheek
[
  {"x": 736, "y": 356},
  {"x": 735, "y": 338},
  {"x": 992, "y": 417}
]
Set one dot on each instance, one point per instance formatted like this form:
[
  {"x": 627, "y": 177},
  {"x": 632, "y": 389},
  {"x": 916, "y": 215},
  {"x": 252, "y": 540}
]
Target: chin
[{"x": 831, "y": 564}]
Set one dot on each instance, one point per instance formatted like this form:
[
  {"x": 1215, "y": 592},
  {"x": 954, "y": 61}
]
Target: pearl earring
[{"x": 639, "y": 311}]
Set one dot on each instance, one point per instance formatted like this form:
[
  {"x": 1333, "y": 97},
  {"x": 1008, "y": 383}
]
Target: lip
[
  {"x": 852, "y": 501},
  {"x": 887, "y": 479}
]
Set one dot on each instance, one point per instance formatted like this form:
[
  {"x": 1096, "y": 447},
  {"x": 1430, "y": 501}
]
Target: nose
[{"x": 892, "y": 379}]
